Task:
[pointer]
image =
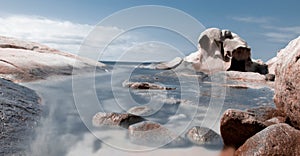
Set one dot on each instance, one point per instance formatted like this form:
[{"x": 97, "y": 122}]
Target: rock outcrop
[
  {"x": 204, "y": 137},
  {"x": 287, "y": 83},
  {"x": 19, "y": 113},
  {"x": 26, "y": 61},
  {"x": 222, "y": 50},
  {"x": 279, "y": 139}
]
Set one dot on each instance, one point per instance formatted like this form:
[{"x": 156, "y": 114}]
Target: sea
[{"x": 69, "y": 103}]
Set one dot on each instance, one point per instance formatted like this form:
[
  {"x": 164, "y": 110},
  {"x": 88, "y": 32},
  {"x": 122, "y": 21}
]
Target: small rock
[
  {"x": 204, "y": 136},
  {"x": 279, "y": 139},
  {"x": 141, "y": 111},
  {"x": 115, "y": 119},
  {"x": 153, "y": 134},
  {"x": 270, "y": 77},
  {"x": 145, "y": 85}
]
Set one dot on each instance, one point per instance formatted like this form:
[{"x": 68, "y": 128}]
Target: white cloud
[
  {"x": 282, "y": 34},
  {"x": 68, "y": 36},
  {"x": 259, "y": 20}
]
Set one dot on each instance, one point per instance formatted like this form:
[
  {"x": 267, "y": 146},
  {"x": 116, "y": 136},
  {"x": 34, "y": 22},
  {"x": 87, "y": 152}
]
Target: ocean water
[{"x": 69, "y": 104}]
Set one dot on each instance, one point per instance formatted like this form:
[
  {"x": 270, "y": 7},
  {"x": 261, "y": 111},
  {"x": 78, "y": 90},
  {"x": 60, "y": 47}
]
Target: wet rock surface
[
  {"x": 204, "y": 137},
  {"x": 115, "y": 119},
  {"x": 141, "y": 111},
  {"x": 145, "y": 85},
  {"x": 19, "y": 113},
  {"x": 153, "y": 134},
  {"x": 287, "y": 83},
  {"x": 279, "y": 139}
]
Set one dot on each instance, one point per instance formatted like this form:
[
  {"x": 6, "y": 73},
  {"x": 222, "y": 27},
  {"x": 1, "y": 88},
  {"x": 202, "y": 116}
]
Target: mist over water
[{"x": 65, "y": 127}]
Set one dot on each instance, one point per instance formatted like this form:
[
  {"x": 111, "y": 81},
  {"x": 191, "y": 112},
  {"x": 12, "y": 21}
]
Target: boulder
[
  {"x": 237, "y": 126},
  {"x": 26, "y": 61},
  {"x": 153, "y": 134},
  {"x": 115, "y": 119},
  {"x": 287, "y": 83},
  {"x": 204, "y": 136},
  {"x": 141, "y": 111},
  {"x": 278, "y": 139}
]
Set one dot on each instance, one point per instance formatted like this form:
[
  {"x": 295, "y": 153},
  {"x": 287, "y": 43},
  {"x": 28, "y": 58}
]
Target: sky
[{"x": 267, "y": 26}]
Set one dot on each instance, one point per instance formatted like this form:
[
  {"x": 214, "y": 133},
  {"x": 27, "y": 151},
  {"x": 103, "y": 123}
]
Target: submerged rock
[
  {"x": 26, "y": 61},
  {"x": 141, "y": 111},
  {"x": 287, "y": 83},
  {"x": 115, "y": 119},
  {"x": 278, "y": 139},
  {"x": 145, "y": 85},
  {"x": 153, "y": 134},
  {"x": 204, "y": 136}
]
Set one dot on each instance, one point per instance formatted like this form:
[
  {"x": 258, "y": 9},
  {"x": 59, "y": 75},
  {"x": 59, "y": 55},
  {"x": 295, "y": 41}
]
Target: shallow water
[{"x": 70, "y": 103}]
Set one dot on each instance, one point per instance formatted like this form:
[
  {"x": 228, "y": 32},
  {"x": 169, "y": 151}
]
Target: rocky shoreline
[{"x": 257, "y": 131}]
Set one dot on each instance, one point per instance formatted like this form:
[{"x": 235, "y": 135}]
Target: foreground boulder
[
  {"x": 115, "y": 119},
  {"x": 237, "y": 126},
  {"x": 278, "y": 139},
  {"x": 19, "y": 113},
  {"x": 153, "y": 134},
  {"x": 26, "y": 61},
  {"x": 287, "y": 83}
]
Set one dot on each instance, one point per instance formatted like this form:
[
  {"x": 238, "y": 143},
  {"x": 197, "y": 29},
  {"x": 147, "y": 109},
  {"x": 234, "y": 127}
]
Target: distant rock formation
[
  {"x": 26, "y": 61},
  {"x": 222, "y": 50}
]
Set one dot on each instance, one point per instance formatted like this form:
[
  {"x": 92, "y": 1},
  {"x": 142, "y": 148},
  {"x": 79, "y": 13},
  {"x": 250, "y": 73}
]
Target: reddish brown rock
[
  {"x": 237, "y": 126},
  {"x": 115, "y": 119},
  {"x": 278, "y": 139},
  {"x": 287, "y": 83}
]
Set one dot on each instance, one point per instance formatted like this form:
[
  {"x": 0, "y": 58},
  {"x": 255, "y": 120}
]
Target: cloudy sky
[{"x": 267, "y": 26}]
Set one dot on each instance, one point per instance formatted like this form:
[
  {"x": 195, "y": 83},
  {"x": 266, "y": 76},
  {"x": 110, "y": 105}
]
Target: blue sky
[{"x": 267, "y": 26}]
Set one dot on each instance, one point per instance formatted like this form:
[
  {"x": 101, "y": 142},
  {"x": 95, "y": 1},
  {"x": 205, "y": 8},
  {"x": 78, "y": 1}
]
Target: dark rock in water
[
  {"x": 20, "y": 110},
  {"x": 204, "y": 136},
  {"x": 153, "y": 134},
  {"x": 145, "y": 85},
  {"x": 116, "y": 119},
  {"x": 287, "y": 83},
  {"x": 278, "y": 139},
  {"x": 237, "y": 126},
  {"x": 141, "y": 111},
  {"x": 270, "y": 77}
]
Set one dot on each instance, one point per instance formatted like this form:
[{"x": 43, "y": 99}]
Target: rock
[
  {"x": 141, "y": 111},
  {"x": 169, "y": 65},
  {"x": 287, "y": 83},
  {"x": 204, "y": 136},
  {"x": 19, "y": 113},
  {"x": 145, "y": 85},
  {"x": 270, "y": 77},
  {"x": 115, "y": 119},
  {"x": 237, "y": 126},
  {"x": 278, "y": 139},
  {"x": 26, "y": 61},
  {"x": 152, "y": 134}
]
